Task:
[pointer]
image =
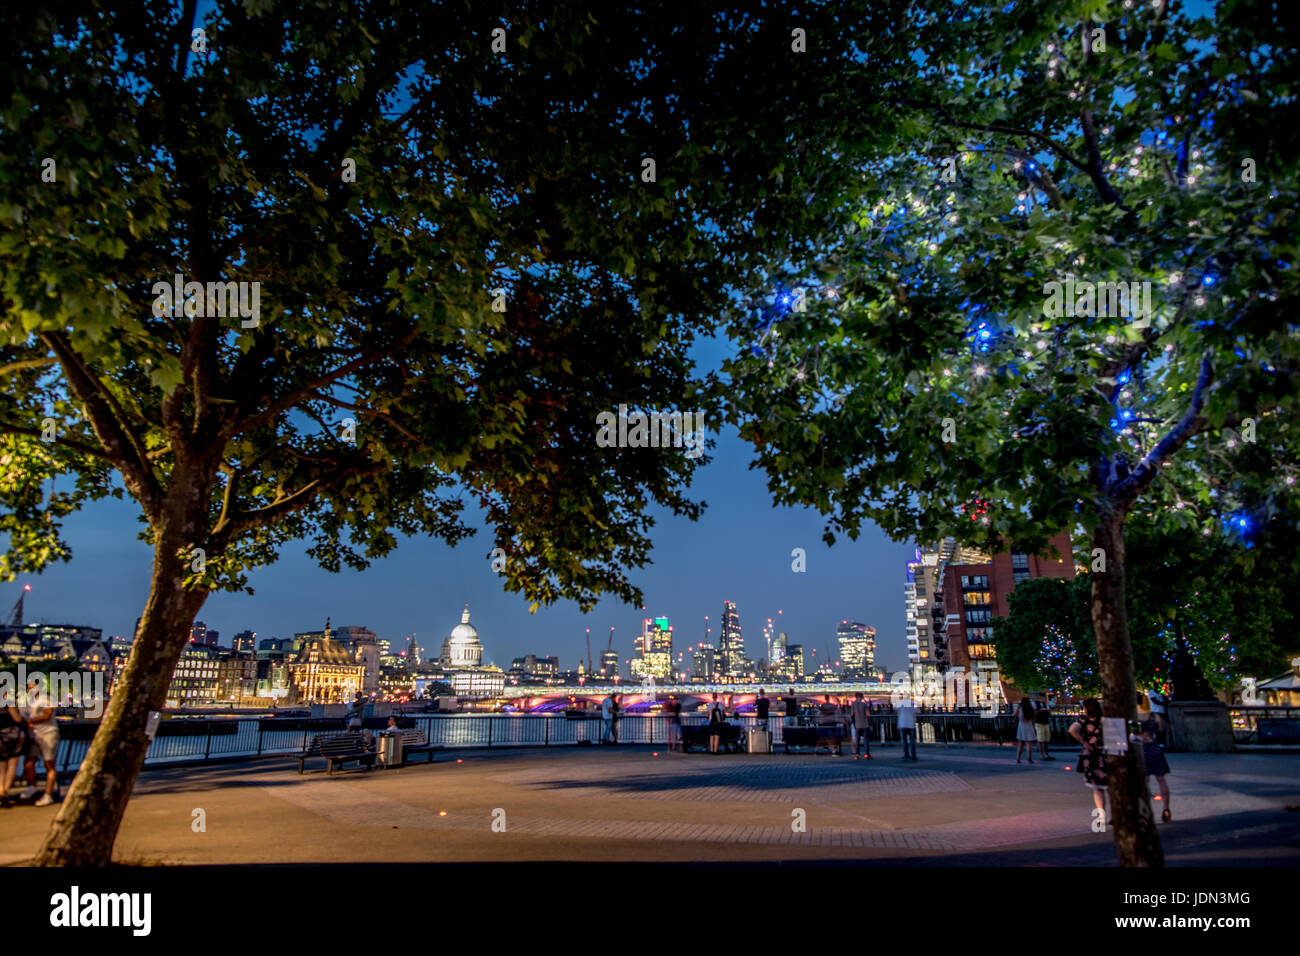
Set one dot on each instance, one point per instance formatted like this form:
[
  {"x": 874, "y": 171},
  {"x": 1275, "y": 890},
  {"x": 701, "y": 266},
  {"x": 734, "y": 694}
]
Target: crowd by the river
[{"x": 854, "y": 718}]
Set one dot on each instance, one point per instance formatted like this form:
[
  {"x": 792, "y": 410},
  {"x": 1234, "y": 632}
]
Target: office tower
[
  {"x": 730, "y": 643},
  {"x": 926, "y": 649},
  {"x": 655, "y": 647},
  {"x": 704, "y": 662},
  {"x": 198, "y": 633},
  {"x": 609, "y": 664},
  {"x": 245, "y": 641},
  {"x": 792, "y": 662},
  {"x": 857, "y": 643}
]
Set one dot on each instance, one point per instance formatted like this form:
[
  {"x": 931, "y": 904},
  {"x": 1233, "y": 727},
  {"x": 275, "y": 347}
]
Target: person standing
[
  {"x": 615, "y": 716},
  {"x": 762, "y": 707},
  {"x": 1043, "y": 728},
  {"x": 1092, "y": 761},
  {"x": 716, "y": 721},
  {"x": 861, "y": 712},
  {"x": 1026, "y": 737},
  {"x": 1153, "y": 755},
  {"x": 13, "y": 740},
  {"x": 43, "y": 743},
  {"x": 674, "y": 710},
  {"x": 1160, "y": 707},
  {"x": 791, "y": 708},
  {"x": 906, "y": 710},
  {"x": 607, "y": 719}
]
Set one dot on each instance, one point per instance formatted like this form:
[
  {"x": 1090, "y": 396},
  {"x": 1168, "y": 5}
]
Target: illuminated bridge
[{"x": 639, "y": 698}]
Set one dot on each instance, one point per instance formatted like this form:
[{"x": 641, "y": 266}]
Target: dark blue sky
[{"x": 739, "y": 550}]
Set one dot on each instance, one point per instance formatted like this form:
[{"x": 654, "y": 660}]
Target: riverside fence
[{"x": 187, "y": 739}]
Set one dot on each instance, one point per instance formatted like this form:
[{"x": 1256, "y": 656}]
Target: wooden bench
[
  {"x": 414, "y": 742},
  {"x": 830, "y": 736},
  {"x": 729, "y": 737},
  {"x": 338, "y": 749}
]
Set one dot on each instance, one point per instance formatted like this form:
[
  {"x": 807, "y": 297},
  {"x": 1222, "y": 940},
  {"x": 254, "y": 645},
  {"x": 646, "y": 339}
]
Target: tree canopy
[
  {"x": 453, "y": 235},
  {"x": 924, "y": 370}
]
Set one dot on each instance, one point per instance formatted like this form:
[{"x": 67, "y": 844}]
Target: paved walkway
[{"x": 969, "y": 805}]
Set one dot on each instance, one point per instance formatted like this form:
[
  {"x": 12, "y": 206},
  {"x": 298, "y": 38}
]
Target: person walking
[
  {"x": 716, "y": 721},
  {"x": 1043, "y": 728},
  {"x": 1092, "y": 761},
  {"x": 1153, "y": 755},
  {"x": 1026, "y": 738},
  {"x": 906, "y": 711},
  {"x": 674, "y": 711},
  {"x": 607, "y": 719},
  {"x": 43, "y": 742},
  {"x": 861, "y": 713}
]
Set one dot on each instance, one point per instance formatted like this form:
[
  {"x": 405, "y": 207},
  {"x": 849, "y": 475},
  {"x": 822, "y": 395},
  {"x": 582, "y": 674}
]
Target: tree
[
  {"x": 1046, "y": 641},
  {"x": 432, "y": 245},
  {"x": 938, "y": 383}
]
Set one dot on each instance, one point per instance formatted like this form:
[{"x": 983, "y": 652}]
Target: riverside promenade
[{"x": 960, "y": 805}]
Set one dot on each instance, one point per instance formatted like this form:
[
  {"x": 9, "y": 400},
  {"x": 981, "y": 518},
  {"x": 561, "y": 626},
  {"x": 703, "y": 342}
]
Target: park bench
[
  {"x": 1271, "y": 730},
  {"x": 697, "y": 735},
  {"x": 830, "y": 736},
  {"x": 414, "y": 742},
  {"x": 338, "y": 749}
]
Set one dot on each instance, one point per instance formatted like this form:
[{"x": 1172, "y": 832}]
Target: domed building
[
  {"x": 462, "y": 660},
  {"x": 462, "y": 647}
]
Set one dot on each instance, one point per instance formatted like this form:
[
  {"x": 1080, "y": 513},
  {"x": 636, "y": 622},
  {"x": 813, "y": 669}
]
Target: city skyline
[{"x": 423, "y": 586}]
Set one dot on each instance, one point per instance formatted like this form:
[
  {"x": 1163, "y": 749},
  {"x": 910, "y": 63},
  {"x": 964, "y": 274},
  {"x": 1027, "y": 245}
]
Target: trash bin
[
  {"x": 390, "y": 750},
  {"x": 760, "y": 741}
]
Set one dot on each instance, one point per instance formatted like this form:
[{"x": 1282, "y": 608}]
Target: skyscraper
[
  {"x": 655, "y": 649},
  {"x": 857, "y": 644},
  {"x": 246, "y": 641},
  {"x": 730, "y": 644},
  {"x": 609, "y": 664}
]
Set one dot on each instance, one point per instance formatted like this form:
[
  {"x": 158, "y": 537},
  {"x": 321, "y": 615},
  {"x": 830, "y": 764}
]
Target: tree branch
[{"x": 65, "y": 442}]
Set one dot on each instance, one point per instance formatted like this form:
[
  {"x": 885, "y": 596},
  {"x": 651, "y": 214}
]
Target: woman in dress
[
  {"x": 1087, "y": 730},
  {"x": 1026, "y": 737},
  {"x": 1152, "y": 728}
]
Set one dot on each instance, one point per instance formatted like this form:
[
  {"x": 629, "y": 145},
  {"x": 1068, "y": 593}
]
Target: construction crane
[
  {"x": 17, "y": 617},
  {"x": 610, "y": 645},
  {"x": 588, "y": 651}
]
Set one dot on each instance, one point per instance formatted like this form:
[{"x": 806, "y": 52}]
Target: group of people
[
  {"x": 1033, "y": 727},
  {"x": 28, "y": 732},
  {"x": 1149, "y": 734}
]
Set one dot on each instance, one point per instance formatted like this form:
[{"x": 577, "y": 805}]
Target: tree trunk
[
  {"x": 86, "y": 826},
  {"x": 1136, "y": 841}
]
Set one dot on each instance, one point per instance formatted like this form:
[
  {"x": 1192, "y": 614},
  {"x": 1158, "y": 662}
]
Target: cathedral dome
[{"x": 462, "y": 648}]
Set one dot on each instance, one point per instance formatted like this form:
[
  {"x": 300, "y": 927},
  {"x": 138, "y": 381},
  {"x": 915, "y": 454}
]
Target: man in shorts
[
  {"x": 1043, "y": 729},
  {"x": 38, "y": 711}
]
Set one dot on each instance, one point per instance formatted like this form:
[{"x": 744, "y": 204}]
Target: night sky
[{"x": 739, "y": 550}]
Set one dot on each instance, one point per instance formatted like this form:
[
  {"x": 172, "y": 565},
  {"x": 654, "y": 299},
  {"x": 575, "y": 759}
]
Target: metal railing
[{"x": 198, "y": 739}]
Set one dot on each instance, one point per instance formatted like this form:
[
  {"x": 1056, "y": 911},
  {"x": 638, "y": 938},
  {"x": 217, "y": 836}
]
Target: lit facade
[
  {"x": 857, "y": 644},
  {"x": 731, "y": 644}
]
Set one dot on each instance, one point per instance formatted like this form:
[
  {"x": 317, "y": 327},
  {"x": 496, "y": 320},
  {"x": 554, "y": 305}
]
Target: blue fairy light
[{"x": 1209, "y": 279}]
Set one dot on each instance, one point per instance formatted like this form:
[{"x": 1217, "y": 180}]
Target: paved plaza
[{"x": 956, "y": 806}]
